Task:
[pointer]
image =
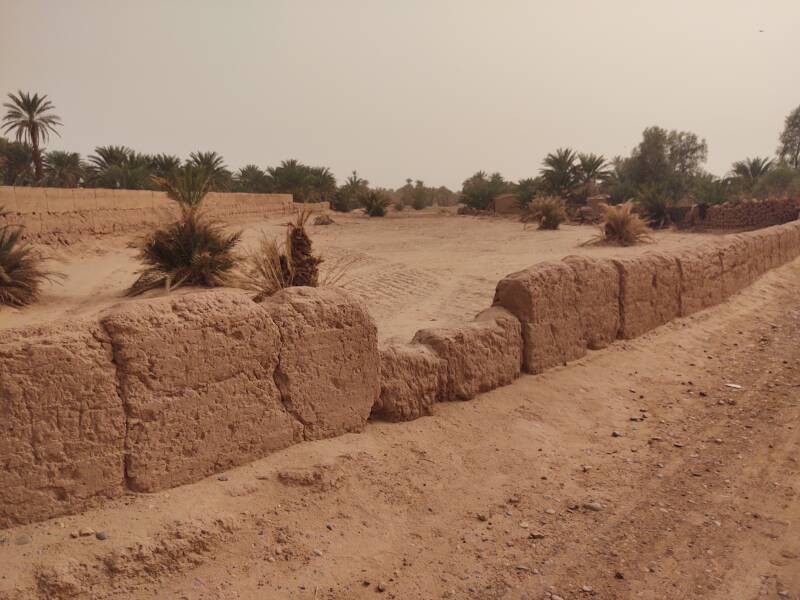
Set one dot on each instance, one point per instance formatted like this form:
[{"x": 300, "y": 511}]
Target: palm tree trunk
[{"x": 37, "y": 156}]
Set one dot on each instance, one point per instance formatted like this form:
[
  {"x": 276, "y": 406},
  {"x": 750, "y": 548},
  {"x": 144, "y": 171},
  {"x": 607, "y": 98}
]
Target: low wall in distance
[
  {"x": 65, "y": 214},
  {"x": 166, "y": 391},
  {"x": 745, "y": 214}
]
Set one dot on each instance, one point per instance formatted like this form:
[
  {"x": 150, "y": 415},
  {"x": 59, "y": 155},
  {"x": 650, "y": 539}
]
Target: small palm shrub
[
  {"x": 21, "y": 274},
  {"x": 191, "y": 251},
  {"x": 375, "y": 203},
  {"x": 622, "y": 226},
  {"x": 655, "y": 205},
  {"x": 272, "y": 267},
  {"x": 548, "y": 212}
]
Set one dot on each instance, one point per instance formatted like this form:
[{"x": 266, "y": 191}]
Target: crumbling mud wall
[
  {"x": 166, "y": 391},
  {"x": 652, "y": 289},
  {"x": 60, "y": 214},
  {"x": 745, "y": 214}
]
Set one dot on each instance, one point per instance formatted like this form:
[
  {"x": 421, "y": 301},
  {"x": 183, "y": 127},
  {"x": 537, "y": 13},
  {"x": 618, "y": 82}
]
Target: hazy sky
[{"x": 425, "y": 89}]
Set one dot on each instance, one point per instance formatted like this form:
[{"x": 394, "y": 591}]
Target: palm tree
[
  {"x": 560, "y": 172},
  {"x": 215, "y": 166},
  {"x": 119, "y": 167},
  {"x": 31, "y": 120},
  {"x": 63, "y": 169},
  {"x": 751, "y": 169},
  {"x": 252, "y": 179},
  {"x": 164, "y": 165},
  {"x": 593, "y": 169},
  {"x": 105, "y": 157},
  {"x": 16, "y": 163}
]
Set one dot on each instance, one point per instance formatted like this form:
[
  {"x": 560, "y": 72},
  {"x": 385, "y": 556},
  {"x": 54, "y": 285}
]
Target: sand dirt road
[{"x": 520, "y": 493}]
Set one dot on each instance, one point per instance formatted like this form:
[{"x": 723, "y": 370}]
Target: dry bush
[
  {"x": 622, "y": 226},
  {"x": 323, "y": 220},
  {"x": 548, "y": 212},
  {"x": 21, "y": 273},
  {"x": 272, "y": 267}
]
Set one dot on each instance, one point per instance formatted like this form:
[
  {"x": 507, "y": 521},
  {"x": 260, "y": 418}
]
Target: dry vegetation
[
  {"x": 548, "y": 212},
  {"x": 622, "y": 226},
  {"x": 272, "y": 267},
  {"x": 21, "y": 273}
]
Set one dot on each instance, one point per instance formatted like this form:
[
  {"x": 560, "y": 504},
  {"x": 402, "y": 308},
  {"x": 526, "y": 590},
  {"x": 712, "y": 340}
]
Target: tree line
[
  {"x": 664, "y": 169},
  {"x": 30, "y": 120}
]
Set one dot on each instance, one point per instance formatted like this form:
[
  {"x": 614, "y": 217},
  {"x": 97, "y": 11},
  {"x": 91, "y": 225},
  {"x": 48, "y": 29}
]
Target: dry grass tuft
[
  {"x": 548, "y": 212},
  {"x": 622, "y": 226},
  {"x": 272, "y": 267}
]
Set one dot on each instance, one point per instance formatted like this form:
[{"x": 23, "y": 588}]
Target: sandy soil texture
[
  {"x": 667, "y": 467},
  {"x": 413, "y": 269}
]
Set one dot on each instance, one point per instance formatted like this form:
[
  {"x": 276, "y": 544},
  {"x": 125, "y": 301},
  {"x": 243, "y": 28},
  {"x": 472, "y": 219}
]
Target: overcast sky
[{"x": 426, "y": 89}]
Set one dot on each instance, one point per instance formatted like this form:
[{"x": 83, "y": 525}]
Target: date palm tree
[
  {"x": 560, "y": 172},
  {"x": 16, "y": 163},
  {"x": 63, "y": 169},
  {"x": 31, "y": 120},
  {"x": 751, "y": 169},
  {"x": 214, "y": 165}
]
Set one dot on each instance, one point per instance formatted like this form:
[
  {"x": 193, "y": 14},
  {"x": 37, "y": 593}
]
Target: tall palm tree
[
  {"x": 215, "y": 166},
  {"x": 63, "y": 169},
  {"x": 560, "y": 172},
  {"x": 31, "y": 120}
]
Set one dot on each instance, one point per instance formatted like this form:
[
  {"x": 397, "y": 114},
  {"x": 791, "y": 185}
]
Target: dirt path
[{"x": 523, "y": 492}]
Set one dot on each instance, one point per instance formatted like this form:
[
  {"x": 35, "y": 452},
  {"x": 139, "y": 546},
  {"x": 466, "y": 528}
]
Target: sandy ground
[
  {"x": 413, "y": 269},
  {"x": 522, "y": 493}
]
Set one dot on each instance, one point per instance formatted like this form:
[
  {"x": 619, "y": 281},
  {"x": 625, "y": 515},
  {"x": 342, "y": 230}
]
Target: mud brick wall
[
  {"x": 57, "y": 214},
  {"x": 746, "y": 214}
]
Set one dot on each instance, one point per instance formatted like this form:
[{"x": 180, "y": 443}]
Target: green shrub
[{"x": 375, "y": 203}]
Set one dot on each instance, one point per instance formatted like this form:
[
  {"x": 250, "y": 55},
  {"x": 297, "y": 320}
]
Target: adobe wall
[
  {"x": 745, "y": 214},
  {"x": 166, "y": 391},
  {"x": 66, "y": 214}
]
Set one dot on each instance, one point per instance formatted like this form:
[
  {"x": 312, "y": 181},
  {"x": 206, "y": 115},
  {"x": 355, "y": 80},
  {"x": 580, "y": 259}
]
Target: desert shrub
[
  {"x": 21, "y": 273},
  {"x": 191, "y": 251},
  {"x": 375, "y": 203},
  {"x": 398, "y": 206},
  {"x": 622, "y": 226},
  {"x": 548, "y": 212},
  {"x": 272, "y": 267},
  {"x": 655, "y": 204}
]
